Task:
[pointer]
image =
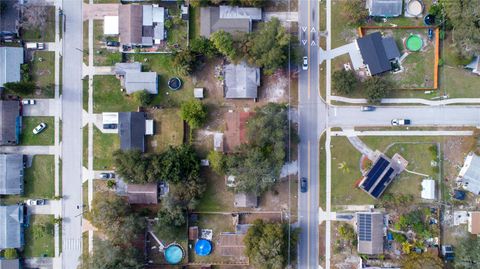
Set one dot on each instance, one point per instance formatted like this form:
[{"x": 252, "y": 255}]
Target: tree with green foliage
[
  {"x": 21, "y": 87},
  {"x": 180, "y": 164},
  {"x": 465, "y": 19},
  {"x": 185, "y": 60},
  {"x": 134, "y": 167},
  {"x": 266, "y": 244},
  {"x": 426, "y": 260},
  {"x": 198, "y": 3},
  {"x": 467, "y": 253},
  {"x": 268, "y": 46},
  {"x": 257, "y": 165},
  {"x": 399, "y": 237},
  {"x": 355, "y": 11},
  {"x": 143, "y": 97},
  {"x": 194, "y": 113},
  {"x": 376, "y": 89},
  {"x": 10, "y": 254},
  {"x": 347, "y": 232},
  {"x": 108, "y": 255},
  {"x": 203, "y": 46},
  {"x": 345, "y": 82},
  {"x": 223, "y": 42},
  {"x": 172, "y": 215},
  {"x": 217, "y": 161}
]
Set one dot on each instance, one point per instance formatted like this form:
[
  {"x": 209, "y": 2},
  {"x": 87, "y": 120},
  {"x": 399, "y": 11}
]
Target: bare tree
[{"x": 34, "y": 16}]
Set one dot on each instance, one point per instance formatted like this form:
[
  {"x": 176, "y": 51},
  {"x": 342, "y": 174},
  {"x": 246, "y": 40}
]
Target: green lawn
[
  {"x": 42, "y": 35},
  {"x": 85, "y": 42},
  {"x": 177, "y": 34},
  {"x": 85, "y": 194},
  {"x": 39, "y": 180},
  {"x": 39, "y": 237},
  {"x": 85, "y": 146},
  {"x": 341, "y": 32},
  {"x": 46, "y": 137},
  {"x": 163, "y": 65},
  {"x": 107, "y": 96},
  {"x": 103, "y": 147},
  {"x": 43, "y": 73},
  {"x": 216, "y": 197},
  {"x": 101, "y": 55},
  {"x": 344, "y": 191},
  {"x": 194, "y": 18},
  {"x": 168, "y": 130},
  {"x": 323, "y": 175},
  {"x": 85, "y": 93}
]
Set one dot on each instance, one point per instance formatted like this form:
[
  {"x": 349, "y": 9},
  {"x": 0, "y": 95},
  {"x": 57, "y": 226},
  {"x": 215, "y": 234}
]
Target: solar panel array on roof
[
  {"x": 382, "y": 184},
  {"x": 365, "y": 227},
  {"x": 374, "y": 173}
]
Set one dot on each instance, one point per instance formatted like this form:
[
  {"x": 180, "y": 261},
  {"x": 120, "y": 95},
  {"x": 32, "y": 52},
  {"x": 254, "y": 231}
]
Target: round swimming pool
[
  {"x": 173, "y": 254},
  {"x": 414, "y": 43}
]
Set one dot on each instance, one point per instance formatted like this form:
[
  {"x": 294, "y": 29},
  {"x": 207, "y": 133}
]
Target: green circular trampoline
[{"x": 414, "y": 43}]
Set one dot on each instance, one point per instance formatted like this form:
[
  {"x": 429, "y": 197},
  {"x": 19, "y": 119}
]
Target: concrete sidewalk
[
  {"x": 409, "y": 101},
  {"x": 403, "y": 133},
  {"x": 29, "y": 150}
]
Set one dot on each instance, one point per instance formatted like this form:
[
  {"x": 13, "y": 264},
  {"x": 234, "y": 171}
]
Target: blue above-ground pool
[
  {"x": 203, "y": 247},
  {"x": 173, "y": 254}
]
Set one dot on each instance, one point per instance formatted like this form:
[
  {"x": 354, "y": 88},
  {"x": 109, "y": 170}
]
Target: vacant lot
[
  {"x": 46, "y": 137},
  {"x": 163, "y": 65},
  {"x": 107, "y": 96},
  {"x": 101, "y": 54},
  {"x": 42, "y": 35},
  {"x": 43, "y": 73},
  {"x": 216, "y": 197},
  {"x": 39, "y": 237},
  {"x": 168, "y": 130},
  {"x": 103, "y": 147}
]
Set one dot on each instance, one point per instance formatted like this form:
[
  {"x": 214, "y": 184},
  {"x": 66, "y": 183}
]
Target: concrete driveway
[
  {"x": 42, "y": 107},
  {"x": 51, "y": 207}
]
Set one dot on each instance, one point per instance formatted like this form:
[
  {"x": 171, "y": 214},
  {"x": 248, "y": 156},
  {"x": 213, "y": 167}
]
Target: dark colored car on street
[{"x": 303, "y": 185}]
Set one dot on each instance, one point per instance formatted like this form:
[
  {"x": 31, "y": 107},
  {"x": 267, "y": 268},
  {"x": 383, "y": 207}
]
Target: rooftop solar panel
[
  {"x": 382, "y": 184},
  {"x": 365, "y": 227},
  {"x": 374, "y": 173}
]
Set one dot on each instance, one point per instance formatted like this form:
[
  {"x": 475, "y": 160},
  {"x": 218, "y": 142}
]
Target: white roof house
[
  {"x": 469, "y": 175},
  {"x": 110, "y": 25},
  {"x": 428, "y": 189}
]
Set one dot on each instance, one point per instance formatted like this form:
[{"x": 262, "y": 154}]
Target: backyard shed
[
  {"x": 428, "y": 189},
  {"x": 198, "y": 93},
  {"x": 384, "y": 8}
]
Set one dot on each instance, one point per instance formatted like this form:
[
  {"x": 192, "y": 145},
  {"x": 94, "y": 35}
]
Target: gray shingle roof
[
  {"x": 139, "y": 81},
  {"x": 131, "y": 130},
  {"x": 471, "y": 178},
  {"x": 11, "y": 174},
  {"x": 11, "y": 226},
  {"x": 10, "y": 264},
  {"x": 241, "y": 81},
  {"x": 10, "y": 60},
  {"x": 370, "y": 232},
  {"x": 385, "y": 8},
  {"x": 10, "y": 19},
  {"x": 9, "y": 125},
  {"x": 122, "y": 68},
  {"x": 391, "y": 49},
  {"x": 210, "y": 22},
  {"x": 373, "y": 53}
]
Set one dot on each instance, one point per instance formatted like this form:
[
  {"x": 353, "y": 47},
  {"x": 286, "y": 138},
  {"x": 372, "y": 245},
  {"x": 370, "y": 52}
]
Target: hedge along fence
[{"x": 362, "y": 30}]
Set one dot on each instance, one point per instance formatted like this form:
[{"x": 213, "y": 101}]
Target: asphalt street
[
  {"x": 311, "y": 120},
  {"x": 72, "y": 134}
]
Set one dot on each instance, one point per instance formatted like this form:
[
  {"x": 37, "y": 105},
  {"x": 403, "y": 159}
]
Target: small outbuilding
[
  {"x": 198, "y": 93},
  {"x": 384, "y": 8},
  {"x": 428, "y": 189}
]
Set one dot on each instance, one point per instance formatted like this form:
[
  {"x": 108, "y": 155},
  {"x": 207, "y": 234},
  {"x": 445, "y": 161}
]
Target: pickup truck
[
  {"x": 35, "y": 45},
  {"x": 400, "y": 122}
]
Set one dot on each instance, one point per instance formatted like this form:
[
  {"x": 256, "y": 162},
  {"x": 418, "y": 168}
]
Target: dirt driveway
[{"x": 98, "y": 11}]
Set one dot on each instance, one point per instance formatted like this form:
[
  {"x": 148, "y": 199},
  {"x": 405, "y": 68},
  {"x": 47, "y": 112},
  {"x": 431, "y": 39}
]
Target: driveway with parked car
[{"x": 39, "y": 107}]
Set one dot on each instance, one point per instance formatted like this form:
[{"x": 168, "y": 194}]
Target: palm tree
[{"x": 344, "y": 167}]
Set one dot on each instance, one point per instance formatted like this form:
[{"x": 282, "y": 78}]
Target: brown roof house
[
  {"x": 228, "y": 18},
  {"x": 145, "y": 194},
  {"x": 141, "y": 25},
  {"x": 10, "y": 123},
  {"x": 370, "y": 231},
  {"x": 474, "y": 222}
]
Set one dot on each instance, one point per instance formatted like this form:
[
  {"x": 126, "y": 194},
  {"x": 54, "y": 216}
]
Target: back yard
[
  {"x": 108, "y": 97},
  {"x": 169, "y": 130},
  {"x": 39, "y": 241}
]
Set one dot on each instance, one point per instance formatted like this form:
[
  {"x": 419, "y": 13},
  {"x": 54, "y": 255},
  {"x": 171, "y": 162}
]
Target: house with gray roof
[
  {"x": 377, "y": 52},
  {"x": 132, "y": 130},
  {"x": 132, "y": 79},
  {"x": 384, "y": 8},
  {"x": 469, "y": 175},
  {"x": 11, "y": 174},
  {"x": 10, "y": 122},
  {"x": 10, "y": 60},
  {"x": 11, "y": 226},
  {"x": 370, "y": 232},
  {"x": 10, "y": 18},
  {"x": 10, "y": 264},
  {"x": 474, "y": 65},
  {"x": 228, "y": 18},
  {"x": 141, "y": 25},
  {"x": 241, "y": 81}
]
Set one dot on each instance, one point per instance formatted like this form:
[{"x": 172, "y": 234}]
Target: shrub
[{"x": 143, "y": 97}]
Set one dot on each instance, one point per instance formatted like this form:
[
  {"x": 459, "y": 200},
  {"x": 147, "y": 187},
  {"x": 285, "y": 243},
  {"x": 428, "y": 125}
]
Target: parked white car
[
  {"x": 305, "y": 63},
  {"x": 39, "y": 128},
  {"x": 28, "y": 102},
  {"x": 35, "y": 202}
]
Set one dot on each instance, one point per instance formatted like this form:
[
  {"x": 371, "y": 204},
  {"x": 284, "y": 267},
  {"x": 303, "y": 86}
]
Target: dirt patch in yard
[{"x": 274, "y": 88}]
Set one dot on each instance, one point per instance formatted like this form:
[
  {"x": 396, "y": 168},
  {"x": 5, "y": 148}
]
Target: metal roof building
[
  {"x": 10, "y": 122},
  {"x": 241, "y": 81},
  {"x": 377, "y": 52},
  {"x": 11, "y": 227},
  {"x": 131, "y": 129},
  {"x": 227, "y": 18},
  {"x": 370, "y": 232},
  {"x": 10, "y": 60},
  {"x": 384, "y": 8},
  {"x": 139, "y": 81},
  {"x": 469, "y": 175},
  {"x": 11, "y": 174}
]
